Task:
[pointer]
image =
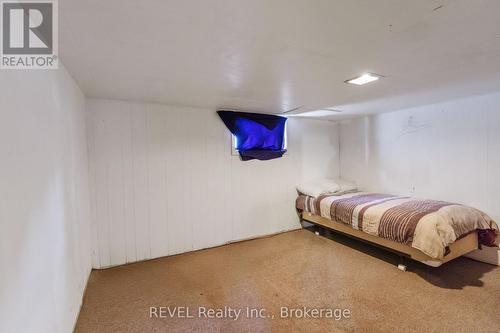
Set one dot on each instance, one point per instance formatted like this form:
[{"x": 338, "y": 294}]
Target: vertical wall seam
[
  {"x": 92, "y": 185},
  {"x": 165, "y": 181},
  {"x": 146, "y": 118},
  {"x": 124, "y": 221},
  {"x": 488, "y": 184},
  {"x": 132, "y": 161},
  {"x": 339, "y": 149}
]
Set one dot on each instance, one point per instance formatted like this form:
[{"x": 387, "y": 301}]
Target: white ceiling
[{"x": 274, "y": 55}]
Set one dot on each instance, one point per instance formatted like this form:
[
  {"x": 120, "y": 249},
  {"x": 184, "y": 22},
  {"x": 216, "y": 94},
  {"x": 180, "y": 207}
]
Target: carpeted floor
[{"x": 293, "y": 270}]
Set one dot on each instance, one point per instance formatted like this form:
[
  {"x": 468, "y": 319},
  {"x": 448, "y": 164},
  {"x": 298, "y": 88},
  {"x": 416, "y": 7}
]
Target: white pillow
[
  {"x": 317, "y": 187},
  {"x": 346, "y": 186}
]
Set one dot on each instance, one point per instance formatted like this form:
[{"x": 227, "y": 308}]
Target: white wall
[
  {"x": 448, "y": 151},
  {"x": 165, "y": 182},
  {"x": 44, "y": 206}
]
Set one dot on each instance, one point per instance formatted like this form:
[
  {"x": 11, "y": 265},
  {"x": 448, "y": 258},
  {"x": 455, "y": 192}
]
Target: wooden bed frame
[{"x": 460, "y": 247}]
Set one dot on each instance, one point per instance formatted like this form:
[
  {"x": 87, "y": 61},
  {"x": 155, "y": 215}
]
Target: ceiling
[{"x": 275, "y": 55}]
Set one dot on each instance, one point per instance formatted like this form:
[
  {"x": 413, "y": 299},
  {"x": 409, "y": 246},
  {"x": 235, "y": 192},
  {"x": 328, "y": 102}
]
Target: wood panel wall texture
[{"x": 163, "y": 180}]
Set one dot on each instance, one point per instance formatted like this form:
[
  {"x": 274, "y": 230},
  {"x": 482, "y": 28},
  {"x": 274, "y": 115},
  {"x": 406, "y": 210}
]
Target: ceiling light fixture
[
  {"x": 364, "y": 79},
  {"x": 316, "y": 113},
  {"x": 331, "y": 110}
]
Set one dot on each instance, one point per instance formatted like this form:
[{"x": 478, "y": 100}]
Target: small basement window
[
  {"x": 234, "y": 143},
  {"x": 255, "y": 135}
]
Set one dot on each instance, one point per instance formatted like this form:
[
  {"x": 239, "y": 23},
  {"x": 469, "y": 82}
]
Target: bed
[{"x": 429, "y": 231}]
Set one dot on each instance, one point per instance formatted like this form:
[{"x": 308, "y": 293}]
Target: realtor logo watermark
[{"x": 29, "y": 34}]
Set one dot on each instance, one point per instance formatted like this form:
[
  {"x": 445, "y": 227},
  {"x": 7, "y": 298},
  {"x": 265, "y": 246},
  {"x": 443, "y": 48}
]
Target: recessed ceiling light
[
  {"x": 364, "y": 79},
  {"x": 316, "y": 113}
]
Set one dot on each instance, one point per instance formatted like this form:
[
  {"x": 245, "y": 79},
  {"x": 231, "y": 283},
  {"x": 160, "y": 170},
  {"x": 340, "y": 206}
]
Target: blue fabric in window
[{"x": 258, "y": 136}]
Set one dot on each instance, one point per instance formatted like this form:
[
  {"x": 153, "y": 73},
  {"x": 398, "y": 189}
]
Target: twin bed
[{"x": 429, "y": 231}]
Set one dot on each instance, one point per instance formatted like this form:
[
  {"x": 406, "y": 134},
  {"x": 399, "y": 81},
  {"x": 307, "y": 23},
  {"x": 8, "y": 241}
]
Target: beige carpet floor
[{"x": 294, "y": 270}]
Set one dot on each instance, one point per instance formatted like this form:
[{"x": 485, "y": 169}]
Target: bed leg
[{"x": 402, "y": 265}]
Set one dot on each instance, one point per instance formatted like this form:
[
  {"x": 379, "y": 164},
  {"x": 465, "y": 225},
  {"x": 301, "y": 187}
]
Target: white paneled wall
[
  {"x": 448, "y": 151},
  {"x": 165, "y": 182},
  {"x": 44, "y": 201}
]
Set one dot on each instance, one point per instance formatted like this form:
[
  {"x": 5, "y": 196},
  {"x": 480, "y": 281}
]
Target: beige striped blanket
[{"x": 428, "y": 225}]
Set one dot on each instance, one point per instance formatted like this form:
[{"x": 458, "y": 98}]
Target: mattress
[{"x": 427, "y": 225}]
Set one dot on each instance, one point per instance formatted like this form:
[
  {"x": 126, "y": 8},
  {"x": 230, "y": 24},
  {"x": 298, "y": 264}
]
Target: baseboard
[
  {"x": 238, "y": 240},
  {"x": 489, "y": 255},
  {"x": 262, "y": 236}
]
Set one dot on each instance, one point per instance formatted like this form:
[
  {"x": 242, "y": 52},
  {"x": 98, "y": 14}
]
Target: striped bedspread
[{"x": 428, "y": 225}]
